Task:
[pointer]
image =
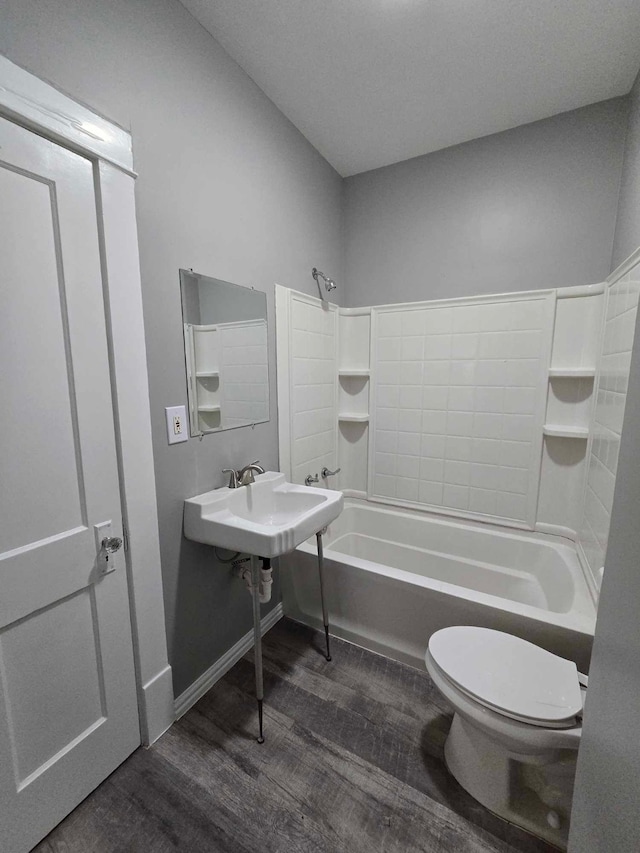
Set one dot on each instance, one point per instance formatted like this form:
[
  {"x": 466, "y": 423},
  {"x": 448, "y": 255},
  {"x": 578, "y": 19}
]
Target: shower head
[{"x": 329, "y": 283}]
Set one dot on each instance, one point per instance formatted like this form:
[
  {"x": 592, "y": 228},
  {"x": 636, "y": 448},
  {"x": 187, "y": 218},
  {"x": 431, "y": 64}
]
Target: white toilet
[{"x": 515, "y": 734}]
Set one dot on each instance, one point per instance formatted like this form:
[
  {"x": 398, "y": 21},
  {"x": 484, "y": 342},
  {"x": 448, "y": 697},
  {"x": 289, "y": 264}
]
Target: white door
[{"x": 68, "y": 710}]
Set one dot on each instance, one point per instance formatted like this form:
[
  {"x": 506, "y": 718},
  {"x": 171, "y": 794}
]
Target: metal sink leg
[
  {"x": 257, "y": 640},
  {"x": 325, "y": 617}
]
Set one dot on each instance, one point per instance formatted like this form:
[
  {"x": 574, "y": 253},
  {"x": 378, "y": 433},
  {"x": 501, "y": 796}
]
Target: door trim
[
  {"x": 31, "y": 102},
  {"x": 38, "y": 105}
]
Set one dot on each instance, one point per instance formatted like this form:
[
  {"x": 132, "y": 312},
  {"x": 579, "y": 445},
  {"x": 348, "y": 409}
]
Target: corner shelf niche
[
  {"x": 569, "y": 402},
  {"x": 570, "y": 393},
  {"x": 205, "y": 382},
  {"x": 353, "y": 397}
]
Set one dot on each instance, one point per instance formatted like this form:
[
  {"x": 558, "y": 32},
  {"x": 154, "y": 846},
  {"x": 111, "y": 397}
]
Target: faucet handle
[
  {"x": 311, "y": 479},
  {"x": 233, "y": 477},
  {"x": 327, "y": 473}
]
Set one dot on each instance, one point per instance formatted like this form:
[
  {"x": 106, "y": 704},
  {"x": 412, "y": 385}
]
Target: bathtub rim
[{"x": 575, "y": 619}]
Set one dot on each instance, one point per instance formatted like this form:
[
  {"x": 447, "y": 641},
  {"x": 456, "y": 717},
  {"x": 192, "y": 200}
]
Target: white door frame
[{"x": 38, "y": 106}]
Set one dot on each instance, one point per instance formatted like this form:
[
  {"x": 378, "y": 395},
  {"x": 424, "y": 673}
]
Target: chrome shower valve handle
[{"x": 327, "y": 473}]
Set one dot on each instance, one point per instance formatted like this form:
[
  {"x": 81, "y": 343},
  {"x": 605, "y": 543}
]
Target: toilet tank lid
[{"x": 508, "y": 673}]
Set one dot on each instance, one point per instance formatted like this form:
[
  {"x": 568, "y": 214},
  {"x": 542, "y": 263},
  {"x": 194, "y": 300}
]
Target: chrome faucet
[{"x": 244, "y": 476}]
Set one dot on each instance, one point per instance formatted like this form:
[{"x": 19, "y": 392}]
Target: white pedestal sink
[{"x": 264, "y": 519}]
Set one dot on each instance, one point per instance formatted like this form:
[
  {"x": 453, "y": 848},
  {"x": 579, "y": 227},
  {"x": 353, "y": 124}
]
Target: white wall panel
[
  {"x": 312, "y": 385},
  {"x": 244, "y": 372},
  {"x": 458, "y": 404},
  {"x": 611, "y": 395}
]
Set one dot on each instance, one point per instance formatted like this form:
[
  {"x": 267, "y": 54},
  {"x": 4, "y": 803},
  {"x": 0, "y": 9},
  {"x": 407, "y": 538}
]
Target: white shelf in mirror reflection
[
  {"x": 572, "y": 372},
  {"x": 354, "y": 371},
  {"x": 208, "y": 408},
  {"x": 559, "y": 431},
  {"x": 354, "y": 418},
  {"x": 208, "y": 374}
]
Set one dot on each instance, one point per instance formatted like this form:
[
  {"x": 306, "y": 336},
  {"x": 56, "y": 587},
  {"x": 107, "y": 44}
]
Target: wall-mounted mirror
[{"x": 226, "y": 354}]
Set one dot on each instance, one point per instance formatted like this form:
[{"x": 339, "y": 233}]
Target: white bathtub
[{"x": 393, "y": 577}]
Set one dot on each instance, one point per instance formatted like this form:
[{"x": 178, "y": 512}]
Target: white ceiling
[{"x": 373, "y": 82}]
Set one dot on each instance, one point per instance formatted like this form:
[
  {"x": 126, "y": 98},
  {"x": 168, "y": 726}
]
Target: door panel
[
  {"x": 68, "y": 710},
  {"x": 35, "y": 385},
  {"x": 39, "y": 673}
]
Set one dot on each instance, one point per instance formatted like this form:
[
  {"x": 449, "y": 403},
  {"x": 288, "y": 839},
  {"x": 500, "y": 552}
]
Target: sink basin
[{"x": 267, "y": 518}]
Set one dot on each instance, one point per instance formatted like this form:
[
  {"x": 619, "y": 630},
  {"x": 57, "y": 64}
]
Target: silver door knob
[{"x": 111, "y": 544}]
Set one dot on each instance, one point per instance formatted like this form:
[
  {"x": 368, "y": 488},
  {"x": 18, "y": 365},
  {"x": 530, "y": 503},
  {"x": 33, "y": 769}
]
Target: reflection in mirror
[{"x": 226, "y": 355}]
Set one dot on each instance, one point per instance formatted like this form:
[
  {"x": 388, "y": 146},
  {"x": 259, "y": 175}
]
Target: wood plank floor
[{"x": 353, "y": 761}]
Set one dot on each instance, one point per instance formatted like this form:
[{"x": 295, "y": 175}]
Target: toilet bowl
[{"x": 516, "y": 730}]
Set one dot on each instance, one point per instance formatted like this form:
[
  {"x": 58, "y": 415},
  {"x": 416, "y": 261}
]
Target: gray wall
[
  {"x": 605, "y": 807},
  {"x": 528, "y": 208},
  {"x": 605, "y": 814},
  {"x": 227, "y": 186},
  {"x": 627, "y": 237}
]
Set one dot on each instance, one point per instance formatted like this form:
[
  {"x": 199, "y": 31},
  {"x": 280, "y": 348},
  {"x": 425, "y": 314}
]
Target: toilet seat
[{"x": 511, "y": 676}]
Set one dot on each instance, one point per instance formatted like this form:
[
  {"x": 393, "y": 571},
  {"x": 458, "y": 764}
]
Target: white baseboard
[
  {"x": 208, "y": 678},
  {"x": 156, "y": 706}
]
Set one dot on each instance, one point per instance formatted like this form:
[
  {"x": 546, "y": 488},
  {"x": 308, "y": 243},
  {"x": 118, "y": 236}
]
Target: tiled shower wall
[
  {"x": 620, "y": 319},
  {"x": 459, "y": 396},
  {"x": 244, "y": 372},
  {"x": 457, "y": 404},
  {"x": 313, "y": 360}
]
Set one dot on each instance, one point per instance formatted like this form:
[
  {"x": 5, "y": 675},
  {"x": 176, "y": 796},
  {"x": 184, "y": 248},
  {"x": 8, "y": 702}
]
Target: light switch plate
[{"x": 176, "y": 424}]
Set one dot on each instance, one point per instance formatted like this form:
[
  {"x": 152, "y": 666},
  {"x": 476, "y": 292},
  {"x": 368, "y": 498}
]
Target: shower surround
[{"x": 471, "y": 420}]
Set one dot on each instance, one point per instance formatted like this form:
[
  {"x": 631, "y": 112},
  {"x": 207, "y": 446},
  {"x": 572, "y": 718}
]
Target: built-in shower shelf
[
  {"x": 572, "y": 372},
  {"x": 208, "y": 374},
  {"x": 355, "y": 371},
  {"x": 558, "y": 431},
  {"x": 354, "y": 418},
  {"x": 208, "y": 408}
]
